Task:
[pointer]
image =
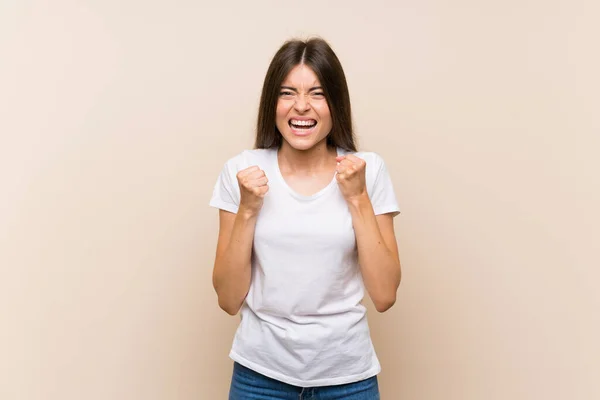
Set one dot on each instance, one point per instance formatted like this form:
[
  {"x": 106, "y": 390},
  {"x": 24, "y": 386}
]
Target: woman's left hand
[{"x": 351, "y": 176}]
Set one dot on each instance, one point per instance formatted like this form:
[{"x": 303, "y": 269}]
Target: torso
[{"x": 302, "y": 320}]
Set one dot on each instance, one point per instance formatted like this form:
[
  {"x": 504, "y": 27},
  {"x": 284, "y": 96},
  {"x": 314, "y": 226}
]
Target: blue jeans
[{"x": 247, "y": 384}]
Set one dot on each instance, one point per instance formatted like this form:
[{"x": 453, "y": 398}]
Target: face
[{"x": 302, "y": 116}]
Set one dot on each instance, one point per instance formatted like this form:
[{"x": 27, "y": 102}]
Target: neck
[{"x": 307, "y": 161}]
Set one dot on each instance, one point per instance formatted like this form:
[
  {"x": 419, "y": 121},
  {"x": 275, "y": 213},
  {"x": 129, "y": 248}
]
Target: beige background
[{"x": 116, "y": 117}]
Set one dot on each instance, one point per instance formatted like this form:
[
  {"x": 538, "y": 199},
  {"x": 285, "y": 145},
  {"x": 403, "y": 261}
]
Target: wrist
[
  {"x": 359, "y": 201},
  {"x": 247, "y": 213}
]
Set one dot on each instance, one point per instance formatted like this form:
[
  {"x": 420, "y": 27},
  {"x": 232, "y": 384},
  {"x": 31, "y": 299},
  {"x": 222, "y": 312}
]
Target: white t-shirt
[{"x": 302, "y": 321}]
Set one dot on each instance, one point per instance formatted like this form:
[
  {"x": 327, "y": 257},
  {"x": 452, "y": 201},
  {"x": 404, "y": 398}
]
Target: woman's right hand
[{"x": 253, "y": 188}]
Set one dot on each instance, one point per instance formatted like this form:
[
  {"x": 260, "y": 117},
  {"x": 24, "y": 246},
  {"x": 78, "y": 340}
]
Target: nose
[{"x": 301, "y": 104}]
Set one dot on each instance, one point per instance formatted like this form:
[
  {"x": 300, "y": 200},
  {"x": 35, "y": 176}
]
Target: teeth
[{"x": 302, "y": 123}]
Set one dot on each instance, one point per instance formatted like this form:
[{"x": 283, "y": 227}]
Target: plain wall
[{"x": 117, "y": 116}]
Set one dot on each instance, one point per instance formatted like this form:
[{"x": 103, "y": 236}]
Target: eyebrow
[{"x": 296, "y": 90}]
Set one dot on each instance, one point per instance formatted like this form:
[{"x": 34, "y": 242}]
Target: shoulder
[
  {"x": 248, "y": 158},
  {"x": 375, "y": 170},
  {"x": 374, "y": 162},
  {"x": 371, "y": 158}
]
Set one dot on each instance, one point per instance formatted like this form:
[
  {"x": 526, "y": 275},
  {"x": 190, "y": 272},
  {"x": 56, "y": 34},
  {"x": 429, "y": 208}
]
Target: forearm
[
  {"x": 232, "y": 272},
  {"x": 379, "y": 266}
]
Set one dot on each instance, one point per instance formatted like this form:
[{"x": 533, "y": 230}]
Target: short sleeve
[
  {"x": 226, "y": 194},
  {"x": 382, "y": 196}
]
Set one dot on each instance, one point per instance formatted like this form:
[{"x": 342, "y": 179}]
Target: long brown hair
[{"x": 318, "y": 55}]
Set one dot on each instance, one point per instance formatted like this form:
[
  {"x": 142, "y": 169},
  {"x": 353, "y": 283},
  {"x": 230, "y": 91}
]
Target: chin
[
  {"x": 300, "y": 143},
  {"x": 300, "y": 146}
]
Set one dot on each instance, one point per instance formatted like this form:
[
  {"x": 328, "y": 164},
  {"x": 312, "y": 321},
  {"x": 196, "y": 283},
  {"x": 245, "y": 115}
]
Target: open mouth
[{"x": 302, "y": 126}]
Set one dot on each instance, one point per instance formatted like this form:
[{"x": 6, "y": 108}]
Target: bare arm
[
  {"x": 232, "y": 269},
  {"x": 377, "y": 252},
  {"x": 375, "y": 238}
]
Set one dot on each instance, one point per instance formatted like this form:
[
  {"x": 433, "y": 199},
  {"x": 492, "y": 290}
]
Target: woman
[{"x": 305, "y": 226}]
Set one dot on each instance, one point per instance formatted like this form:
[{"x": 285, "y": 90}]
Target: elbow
[
  {"x": 229, "y": 302},
  {"x": 231, "y": 311},
  {"x": 383, "y": 305},
  {"x": 229, "y": 308},
  {"x": 226, "y": 303},
  {"x": 387, "y": 297}
]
